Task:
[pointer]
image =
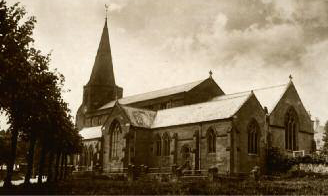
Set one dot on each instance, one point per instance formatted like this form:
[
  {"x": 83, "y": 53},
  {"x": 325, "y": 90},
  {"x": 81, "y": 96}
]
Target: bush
[{"x": 279, "y": 162}]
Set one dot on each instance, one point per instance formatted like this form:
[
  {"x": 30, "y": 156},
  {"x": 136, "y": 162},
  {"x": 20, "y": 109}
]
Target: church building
[{"x": 193, "y": 126}]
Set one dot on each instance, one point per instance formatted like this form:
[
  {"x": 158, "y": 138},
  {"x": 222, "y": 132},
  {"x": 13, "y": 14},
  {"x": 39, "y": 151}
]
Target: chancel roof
[
  {"x": 154, "y": 94},
  {"x": 223, "y": 108},
  {"x": 91, "y": 132},
  {"x": 268, "y": 97}
]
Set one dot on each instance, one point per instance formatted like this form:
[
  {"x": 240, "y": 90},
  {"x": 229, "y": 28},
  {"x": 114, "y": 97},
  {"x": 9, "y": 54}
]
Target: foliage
[
  {"x": 4, "y": 147},
  {"x": 279, "y": 162},
  {"x": 325, "y": 140},
  {"x": 31, "y": 93}
]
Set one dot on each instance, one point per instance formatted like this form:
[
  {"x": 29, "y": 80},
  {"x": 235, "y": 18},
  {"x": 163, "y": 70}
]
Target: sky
[{"x": 247, "y": 44}]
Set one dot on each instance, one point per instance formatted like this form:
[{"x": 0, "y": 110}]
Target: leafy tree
[
  {"x": 4, "y": 147},
  {"x": 325, "y": 140},
  {"x": 31, "y": 95},
  {"x": 15, "y": 69}
]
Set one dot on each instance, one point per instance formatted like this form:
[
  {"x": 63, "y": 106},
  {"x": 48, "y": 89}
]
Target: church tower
[{"x": 101, "y": 87}]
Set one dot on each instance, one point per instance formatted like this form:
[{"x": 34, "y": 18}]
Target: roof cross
[
  {"x": 290, "y": 77},
  {"x": 211, "y": 73}
]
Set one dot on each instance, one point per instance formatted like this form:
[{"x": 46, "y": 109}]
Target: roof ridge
[
  {"x": 207, "y": 102},
  {"x": 263, "y": 88},
  {"x": 242, "y": 95},
  {"x": 164, "y": 88},
  {"x": 154, "y": 91},
  {"x": 125, "y": 106}
]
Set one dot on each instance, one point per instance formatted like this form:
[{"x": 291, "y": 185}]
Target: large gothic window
[
  {"x": 253, "y": 137},
  {"x": 211, "y": 141},
  {"x": 158, "y": 145},
  {"x": 291, "y": 129},
  {"x": 115, "y": 131},
  {"x": 166, "y": 145}
]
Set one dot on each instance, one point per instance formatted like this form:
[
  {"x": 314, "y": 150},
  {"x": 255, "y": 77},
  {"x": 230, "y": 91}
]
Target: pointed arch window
[
  {"x": 291, "y": 129},
  {"x": 115, "y": 132},
  {"x": 158, "y": 147},
  {"x": 211, "y": 141},
  {"x": 253, "y": 137},
  {"x": 166, "y": 145},
  {"x": 85, "y": 156}
]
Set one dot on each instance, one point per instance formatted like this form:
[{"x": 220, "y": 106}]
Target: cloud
[
  {"x": 247, "y": 44},
  {"x": 277, "y": 31}
]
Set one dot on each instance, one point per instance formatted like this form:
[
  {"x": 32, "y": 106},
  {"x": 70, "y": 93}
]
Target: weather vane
[{"x": 106, "y": 9}]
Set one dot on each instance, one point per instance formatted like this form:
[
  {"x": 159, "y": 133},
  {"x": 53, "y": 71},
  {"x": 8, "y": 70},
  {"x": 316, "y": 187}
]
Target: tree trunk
[
  {"x": 62, "y": 167},
  {"x": 30, "y": 159},
  {"x": 41, "y": 164},
  {"x": 57, "y": 166},
  {"x": 50, "y": 166},
  {"x": 10, "y": 168},
  {"x": 65, "y": 167}
]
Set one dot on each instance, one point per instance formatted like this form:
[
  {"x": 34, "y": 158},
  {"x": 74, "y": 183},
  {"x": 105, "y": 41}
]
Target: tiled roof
[
  {"x": 268, "y": 97},
  {"x": 223, "y": 108},
  {"x": 139, "y": 117},
  {"x": 91, "y": 132},
  {"x": 154, "y": 94}
]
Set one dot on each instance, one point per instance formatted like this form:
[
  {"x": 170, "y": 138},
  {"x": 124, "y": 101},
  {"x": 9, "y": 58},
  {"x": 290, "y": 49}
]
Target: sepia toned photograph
[{"x": 164, "y": 97}]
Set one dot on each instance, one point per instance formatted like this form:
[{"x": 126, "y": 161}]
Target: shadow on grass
[{"x": 92, "y": 186}]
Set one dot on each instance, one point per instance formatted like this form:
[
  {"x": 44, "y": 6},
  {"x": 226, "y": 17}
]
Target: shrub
[{"x": 279, "y": 162}]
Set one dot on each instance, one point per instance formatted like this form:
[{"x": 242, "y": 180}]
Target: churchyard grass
[{"x": 88, "y": 186}]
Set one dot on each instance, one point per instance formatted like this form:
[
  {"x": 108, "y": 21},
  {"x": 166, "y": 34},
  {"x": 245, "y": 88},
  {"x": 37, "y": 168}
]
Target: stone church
[{"x": 193, "y": 126}]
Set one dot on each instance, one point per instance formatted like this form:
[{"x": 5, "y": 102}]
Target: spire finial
[
  {"x": 106, "y": 10},
  {"x": 290, "y": 77},
  {"x": 211, "y": 73}
]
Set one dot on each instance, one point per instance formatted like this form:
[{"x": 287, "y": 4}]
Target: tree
[
  {"x": 15, "y": 40},
  {"x": 4, "y": 147},
  {"x": 325, "y": 140},
  {"x": 31, "y": 94}
]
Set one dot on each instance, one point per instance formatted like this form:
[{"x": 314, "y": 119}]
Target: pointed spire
[{"x": 102, "y": 72}]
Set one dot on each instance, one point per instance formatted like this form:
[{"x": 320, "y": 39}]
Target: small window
[
  {"x": 211, "y": 141},
  {"x": 253, "y": 137},
  {"x": 163, "y": 106},
  {"x": 166, "y": 145},
  {"x": 168, "y": 104},
  {"x": 158, "y": 145}
]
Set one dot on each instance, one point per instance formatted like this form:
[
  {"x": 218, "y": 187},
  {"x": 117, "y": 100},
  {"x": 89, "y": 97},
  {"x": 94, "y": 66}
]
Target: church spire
[{"x": 102, "y": 72}]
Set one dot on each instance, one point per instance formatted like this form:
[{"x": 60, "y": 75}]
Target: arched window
[
  {"x": 114, "y": 139},
  {"x": 90, "y": 155},
  {"x": 186, "y": 157},
  {"x": 166, "y": 144},
  {"x": 291, "y": 129},
  {"x": 158, "y": 143},
  {"x": 211, "y": 141},
  {"x": 253, "y": 137},
  {"x": 84, "y": 156}
]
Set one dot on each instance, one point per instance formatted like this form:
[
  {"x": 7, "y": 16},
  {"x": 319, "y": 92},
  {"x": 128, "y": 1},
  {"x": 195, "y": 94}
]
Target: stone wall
[
  {"x": 185, "y": 136},
  {"x": 113, "y": 164},
  {"x": 277, "y": 117},
  {"x": 243, "y": 161}
]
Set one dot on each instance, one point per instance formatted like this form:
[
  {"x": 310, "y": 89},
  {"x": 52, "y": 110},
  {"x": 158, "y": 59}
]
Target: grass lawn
[{"x": 290, "y": 186}]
